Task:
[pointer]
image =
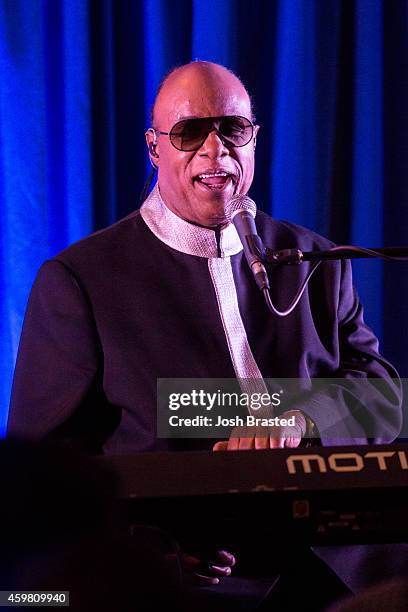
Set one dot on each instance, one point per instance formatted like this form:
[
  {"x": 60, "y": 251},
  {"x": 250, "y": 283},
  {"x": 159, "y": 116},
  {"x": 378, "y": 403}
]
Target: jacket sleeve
[
  {"x": 56, "y": 381},
  {"x": 362, "y": 402}
]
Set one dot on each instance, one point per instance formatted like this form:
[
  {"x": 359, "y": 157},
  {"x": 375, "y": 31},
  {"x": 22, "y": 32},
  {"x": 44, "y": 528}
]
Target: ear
[{"x": 151, "y": 141}]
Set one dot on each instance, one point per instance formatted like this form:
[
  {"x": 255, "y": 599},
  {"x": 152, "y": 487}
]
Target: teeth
[{"x": 201, "y": 176}]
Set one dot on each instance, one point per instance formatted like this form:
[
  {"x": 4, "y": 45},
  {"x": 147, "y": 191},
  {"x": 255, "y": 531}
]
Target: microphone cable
[
  {"x": 370, "y": 253},
  {"x": 296, "y": 299}
]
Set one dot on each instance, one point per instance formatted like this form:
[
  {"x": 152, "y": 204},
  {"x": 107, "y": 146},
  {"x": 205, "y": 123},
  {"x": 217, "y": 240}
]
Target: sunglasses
[{"x": 190, "y": 134}]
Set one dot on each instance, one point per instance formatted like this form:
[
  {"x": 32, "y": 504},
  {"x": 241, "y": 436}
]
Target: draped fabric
[{"x": 329, "y": 81}]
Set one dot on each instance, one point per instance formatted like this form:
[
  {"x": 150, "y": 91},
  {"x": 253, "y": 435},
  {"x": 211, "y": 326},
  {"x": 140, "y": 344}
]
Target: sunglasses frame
[{"x": 224, "y": 140}]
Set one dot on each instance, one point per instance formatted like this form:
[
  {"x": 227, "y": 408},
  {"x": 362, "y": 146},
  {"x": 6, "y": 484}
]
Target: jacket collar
[{"x": 184, "y": 236}]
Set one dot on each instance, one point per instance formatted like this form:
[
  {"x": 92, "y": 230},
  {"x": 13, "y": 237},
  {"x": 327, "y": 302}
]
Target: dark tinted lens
[
  {"x": 237, "y": 130},
  {"x": 189, "y": 135}
]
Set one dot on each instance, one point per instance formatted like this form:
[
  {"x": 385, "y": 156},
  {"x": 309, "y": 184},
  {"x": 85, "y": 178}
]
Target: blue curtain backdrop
[{"x": 329, "y": 79}]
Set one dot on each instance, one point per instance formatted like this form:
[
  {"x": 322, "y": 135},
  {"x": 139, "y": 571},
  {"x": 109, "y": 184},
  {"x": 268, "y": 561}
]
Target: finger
[
  {"x": 226, "y": 558},
  {"x": 210, "y": 568},
  {"x": 292, "y": 441},
  {"x": 275, "y": 442},
  {"x": 246, "y": 443},
  {"x": 221, "y": 446},
  {"x": 206, "y": 580},
  {"x": 233, "y": 443},
  {"x": 237, "y": 434},
  {"x": 261, "y": 443}
]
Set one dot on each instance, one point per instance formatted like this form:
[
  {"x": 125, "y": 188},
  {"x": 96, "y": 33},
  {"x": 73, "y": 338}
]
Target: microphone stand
[{"x": 296, "y": 256}]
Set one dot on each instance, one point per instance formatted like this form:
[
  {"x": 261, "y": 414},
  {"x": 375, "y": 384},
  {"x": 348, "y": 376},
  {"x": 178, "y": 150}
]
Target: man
[{"x": 167, "y": 293}]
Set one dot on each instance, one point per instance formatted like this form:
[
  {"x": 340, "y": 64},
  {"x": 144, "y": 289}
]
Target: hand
[
  {"x": 208, "y": 573},
  {"x": 282, "y": 436}
]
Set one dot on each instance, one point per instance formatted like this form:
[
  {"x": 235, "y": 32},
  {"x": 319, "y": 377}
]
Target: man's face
[{"x": 197, "y": 92}]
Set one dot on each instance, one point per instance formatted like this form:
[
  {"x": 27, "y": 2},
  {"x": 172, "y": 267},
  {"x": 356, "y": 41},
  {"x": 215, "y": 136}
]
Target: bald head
[{"x": 207, "y": 76}]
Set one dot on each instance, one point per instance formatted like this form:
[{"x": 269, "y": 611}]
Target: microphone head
[{"x": 239, "y": 203}]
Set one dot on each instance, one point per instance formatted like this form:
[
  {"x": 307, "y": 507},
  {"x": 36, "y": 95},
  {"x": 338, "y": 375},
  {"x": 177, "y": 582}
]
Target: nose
[{"x": 213, "y": 146}]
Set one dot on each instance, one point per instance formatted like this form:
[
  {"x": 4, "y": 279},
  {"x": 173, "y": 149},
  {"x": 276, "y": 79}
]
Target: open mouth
[{"x": 214, "y": 181}]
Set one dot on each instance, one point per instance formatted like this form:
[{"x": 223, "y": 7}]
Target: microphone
[{"x": 241, "y": 211}]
